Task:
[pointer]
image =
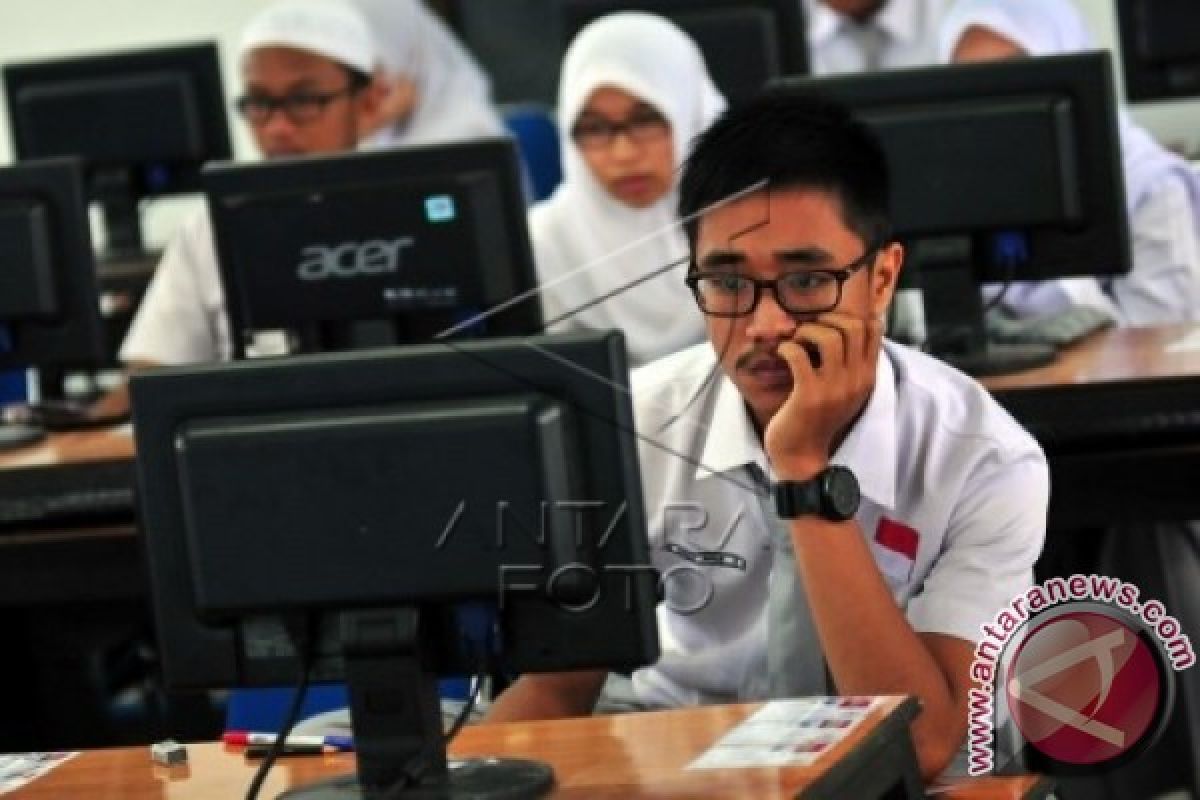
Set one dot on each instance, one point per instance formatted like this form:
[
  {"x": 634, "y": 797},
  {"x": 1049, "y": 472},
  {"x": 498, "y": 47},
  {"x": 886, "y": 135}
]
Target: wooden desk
[
  {"x": 1119, "y": 417},
  {"x": 59, "y": 449},
  {"x": 626, "y": 756}
]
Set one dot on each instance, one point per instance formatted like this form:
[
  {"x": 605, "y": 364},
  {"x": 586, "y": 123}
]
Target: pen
[
  {"x": 254, "y": 737},
  {"x": 260, "y": 750}
]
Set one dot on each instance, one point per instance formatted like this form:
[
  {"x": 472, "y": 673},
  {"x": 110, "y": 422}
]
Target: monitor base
[
  {"x": 1001, "y": 359},
  {"x": 14, "y": 435},
  {"x": 467, "y": 779}
]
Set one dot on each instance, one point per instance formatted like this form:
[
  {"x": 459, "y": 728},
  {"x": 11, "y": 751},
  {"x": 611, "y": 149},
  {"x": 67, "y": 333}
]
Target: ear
[
  {"x": 369, "y": 116},
  {"x": 884, "y": 276}
]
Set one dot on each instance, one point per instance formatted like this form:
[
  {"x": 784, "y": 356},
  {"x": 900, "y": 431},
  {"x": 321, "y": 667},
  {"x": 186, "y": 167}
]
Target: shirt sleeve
[
  {"x": 179, "y": 316},
  {"x": 995, "y": 535},
  {"x": 1164, "y": 286}
]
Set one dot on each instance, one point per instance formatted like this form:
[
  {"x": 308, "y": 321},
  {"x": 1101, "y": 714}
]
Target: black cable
[{"x": 307, "y": 648}]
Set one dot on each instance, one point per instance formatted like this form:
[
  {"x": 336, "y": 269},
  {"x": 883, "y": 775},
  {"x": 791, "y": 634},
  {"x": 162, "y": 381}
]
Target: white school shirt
[
  {"x": 904, "y": 33},
  {"x": 182, "y": 318},
  {"x": 954, "y": 506}
]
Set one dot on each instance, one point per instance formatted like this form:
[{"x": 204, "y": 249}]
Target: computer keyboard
[
  {"x": 91, "y": 493},
  {"x": 1056, "y": 330}
]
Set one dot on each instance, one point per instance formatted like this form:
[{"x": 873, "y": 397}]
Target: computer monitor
[
  {"x": 1160, "y": 48},
  {"x": 49, "y": 297},
  {"x": 745, "y": 43},
  {"x": 375, "y": 248},
  {"x": 142, "y": 121},
  {"x": 372, "y": 498},
  {"x": 521, "y": 43},
  {"x": 1007, "y": 170}
]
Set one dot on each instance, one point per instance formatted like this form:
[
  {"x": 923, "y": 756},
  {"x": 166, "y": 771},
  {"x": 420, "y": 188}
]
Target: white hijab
[
  {"x": 586, "y": 243},
  {"x": 453, "y": 93},
  {"x": 1050, "y": 27}
]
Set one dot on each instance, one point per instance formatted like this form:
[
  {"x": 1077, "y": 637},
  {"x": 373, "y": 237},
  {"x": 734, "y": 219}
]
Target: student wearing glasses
[
  {"x": 307, "y": 68},
  {"x": 609, "y": 251},
  {"x": 871, "y": 507}
]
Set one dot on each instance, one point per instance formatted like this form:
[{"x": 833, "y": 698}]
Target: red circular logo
[{"x": 1084, "y": 688}]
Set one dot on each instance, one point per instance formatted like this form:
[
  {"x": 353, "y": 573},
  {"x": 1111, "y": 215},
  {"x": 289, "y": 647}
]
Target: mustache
[{"x": 757, "y": 357}]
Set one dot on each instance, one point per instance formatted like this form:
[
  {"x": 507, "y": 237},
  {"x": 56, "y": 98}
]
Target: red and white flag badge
[{"x": 895, "y": 548}]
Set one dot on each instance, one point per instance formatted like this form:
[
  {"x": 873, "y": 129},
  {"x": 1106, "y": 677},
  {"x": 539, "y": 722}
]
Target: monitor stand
[
  {"x": 397, "y": 720},
  {"x": 954, "y": 313},
  {"x": 15, "y": 435}
]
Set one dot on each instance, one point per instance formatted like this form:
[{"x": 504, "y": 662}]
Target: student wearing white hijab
[
  {"x": 436, "y": 90},
  {"x": 1162, "y": 192},
  {"x": 633, "y": 93}
]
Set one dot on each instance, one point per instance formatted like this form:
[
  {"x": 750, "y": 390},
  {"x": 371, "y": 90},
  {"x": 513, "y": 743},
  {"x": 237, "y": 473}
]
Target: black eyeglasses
[
  {"x": 809, "y": 291},
  {"x": 643, "y": 126},
  {"x": 300, "y": 108}
]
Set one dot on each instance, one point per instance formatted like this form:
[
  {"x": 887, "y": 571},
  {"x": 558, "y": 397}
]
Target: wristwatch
[{"x": 831, "y": 494}]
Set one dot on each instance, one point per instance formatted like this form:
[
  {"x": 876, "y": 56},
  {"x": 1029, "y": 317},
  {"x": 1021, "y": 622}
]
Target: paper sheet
[
  {"x": 786, "y": 733},
  {"x": 18, "y": 769}
]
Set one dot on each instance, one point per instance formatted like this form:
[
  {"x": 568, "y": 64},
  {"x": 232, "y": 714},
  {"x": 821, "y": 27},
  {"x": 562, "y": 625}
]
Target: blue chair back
[{"x": 533, "y": 126}]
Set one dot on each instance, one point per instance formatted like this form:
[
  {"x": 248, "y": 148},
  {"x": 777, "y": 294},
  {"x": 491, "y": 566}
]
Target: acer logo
[{"x": 351, "y": 259}]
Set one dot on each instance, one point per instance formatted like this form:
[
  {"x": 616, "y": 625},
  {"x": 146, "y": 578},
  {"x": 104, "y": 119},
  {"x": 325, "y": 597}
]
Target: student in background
[
  {"x": 889, "y": 594},
  {"x": 1162, "y": 192},
  {"x": 435, "y": 91},
  {"x": 306, "y": 68},
  {"x": 633, "y": 93},
  {"x": 867, "y": 35},
  {"x": 1163, "y": 198}
]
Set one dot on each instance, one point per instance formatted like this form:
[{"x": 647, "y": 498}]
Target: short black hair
[{"x": 792, "y": 139}]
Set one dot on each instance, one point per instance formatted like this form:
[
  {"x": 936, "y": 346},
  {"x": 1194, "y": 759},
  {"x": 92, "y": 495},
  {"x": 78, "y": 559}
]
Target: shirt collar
[
  {"x": 869, "y": 449},
  {"x": 898, "y": 19},
  {"x": 731, "y": 441}
]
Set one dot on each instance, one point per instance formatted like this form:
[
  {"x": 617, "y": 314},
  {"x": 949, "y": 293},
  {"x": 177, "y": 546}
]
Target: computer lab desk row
[
  {"x": 625, "y": 756},
  {"x": 1118, "y": 415}
]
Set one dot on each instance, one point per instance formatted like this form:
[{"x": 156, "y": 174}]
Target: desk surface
[
  {"x": 72, "y": 448},
  {"x": 624, "y": 756},
  {"x": 1114, "y": 355}
]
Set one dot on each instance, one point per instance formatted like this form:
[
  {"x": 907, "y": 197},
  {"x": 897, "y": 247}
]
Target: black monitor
[
  {"x": 745, "y": 43},
  {"x": 521, "y": 43},
  {"x": 416, "y": 511},
  {"x": 1160, "y": 48},
  {"x": 49, "y": 297},
  {"x": 375, "y": 248},
  {"x": 143, "y": 122},
  {"x": 1007, "y": 170}
]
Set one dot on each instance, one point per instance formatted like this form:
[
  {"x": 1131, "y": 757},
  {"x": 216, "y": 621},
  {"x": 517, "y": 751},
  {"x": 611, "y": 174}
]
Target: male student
[
  {"x": 866, "y": 35},
  {"x": 797, "y": 386},
  {"x": 307, "y": 70}
]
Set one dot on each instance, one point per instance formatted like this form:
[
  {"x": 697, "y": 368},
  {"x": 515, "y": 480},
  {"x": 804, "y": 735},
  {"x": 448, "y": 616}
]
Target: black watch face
[{"x": 841, "y": 491}]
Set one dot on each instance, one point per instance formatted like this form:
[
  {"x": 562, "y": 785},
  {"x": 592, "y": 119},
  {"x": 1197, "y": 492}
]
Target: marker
[
  {"x": 261, "y": 750},
  {"x": 254, "y": 737}
]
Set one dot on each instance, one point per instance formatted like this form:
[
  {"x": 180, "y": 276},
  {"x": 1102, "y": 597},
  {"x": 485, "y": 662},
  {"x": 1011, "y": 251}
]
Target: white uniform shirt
[
  {"x": 182, "y": 318},
  {"x": 904, "y": 33},
  {"x": 954, "y": 506}
]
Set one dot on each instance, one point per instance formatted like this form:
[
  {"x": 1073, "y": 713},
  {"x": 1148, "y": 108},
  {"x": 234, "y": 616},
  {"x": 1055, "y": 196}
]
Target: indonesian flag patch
[{"x": 895, "y": 549}]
